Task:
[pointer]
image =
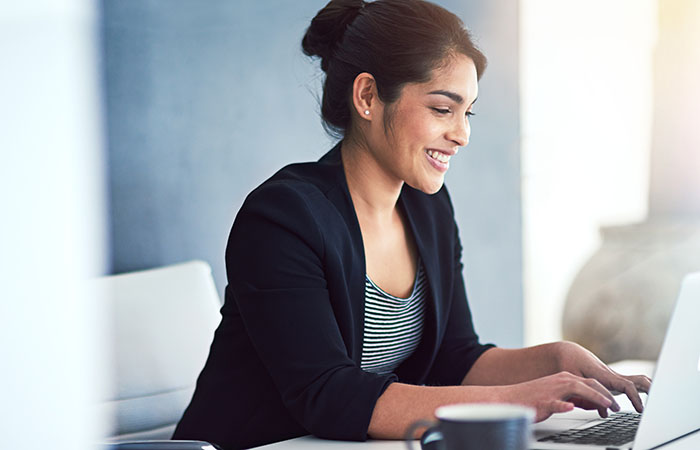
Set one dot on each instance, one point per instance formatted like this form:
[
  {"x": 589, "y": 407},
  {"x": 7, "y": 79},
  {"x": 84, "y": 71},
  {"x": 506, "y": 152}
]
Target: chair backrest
[{"x": 164, "y": 322}]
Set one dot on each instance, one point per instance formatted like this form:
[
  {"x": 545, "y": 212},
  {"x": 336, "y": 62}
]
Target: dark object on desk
[
  {"x": 163, "y": 445},
  {"x": 476, "y": 427},
  {"x": 431, "y": 440}
]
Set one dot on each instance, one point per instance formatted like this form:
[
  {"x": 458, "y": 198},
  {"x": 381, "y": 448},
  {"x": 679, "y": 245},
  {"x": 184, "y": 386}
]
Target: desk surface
[{"x": 691, "y": 442}]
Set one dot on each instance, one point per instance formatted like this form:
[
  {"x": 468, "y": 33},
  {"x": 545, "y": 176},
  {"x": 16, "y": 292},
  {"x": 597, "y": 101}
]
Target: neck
[{"x": 373, "y": 190}]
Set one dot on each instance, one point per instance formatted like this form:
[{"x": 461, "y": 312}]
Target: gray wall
[
  {"x": 205, "y": 100},
  {"x": 484, "y": 180}
]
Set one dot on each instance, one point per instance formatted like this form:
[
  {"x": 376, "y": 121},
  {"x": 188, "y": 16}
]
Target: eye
[
  {"x": 469, "y": 114},
  {"x": 441, "y": 110}
]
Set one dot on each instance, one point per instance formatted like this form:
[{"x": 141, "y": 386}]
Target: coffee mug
[{"x": 476, "y": 426}]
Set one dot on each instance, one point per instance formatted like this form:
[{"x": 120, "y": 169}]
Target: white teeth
[{"x": 443, "y": 158}]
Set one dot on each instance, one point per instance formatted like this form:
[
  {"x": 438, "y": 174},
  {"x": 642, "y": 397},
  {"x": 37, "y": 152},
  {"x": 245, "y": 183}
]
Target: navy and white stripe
[{"x": 393, "y": 325}]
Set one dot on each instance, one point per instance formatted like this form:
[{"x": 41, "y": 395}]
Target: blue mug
[{"x": 476, "y": 426}]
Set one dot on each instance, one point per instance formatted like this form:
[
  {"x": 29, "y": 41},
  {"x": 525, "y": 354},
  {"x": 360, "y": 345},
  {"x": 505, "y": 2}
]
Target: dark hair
[{"x": 397, "y": 41}]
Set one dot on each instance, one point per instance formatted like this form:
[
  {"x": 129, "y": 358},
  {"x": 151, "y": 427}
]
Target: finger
[
  {"x": 628, "y": 388},
  {"x": 581, "y": 388},
  {"x": 542, "y": 415},
  {"x": 545, "y": 411},
  {"x": 642, "y": 382},
  {"x": 606, "y": 384},
  {"x": 583, "y": 404},
  {"x": 595, "y": 384},
  {"x": 560, "y": 406},
  {"x": 603, "y": 412}
]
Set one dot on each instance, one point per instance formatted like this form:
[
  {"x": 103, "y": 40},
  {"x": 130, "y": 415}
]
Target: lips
[
  {"x": 439, "y": 159},
  {"x": 439, "y": 155}
]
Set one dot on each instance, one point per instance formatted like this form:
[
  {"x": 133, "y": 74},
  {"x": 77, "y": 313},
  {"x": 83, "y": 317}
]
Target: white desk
[{"x": 691, "y": 442}]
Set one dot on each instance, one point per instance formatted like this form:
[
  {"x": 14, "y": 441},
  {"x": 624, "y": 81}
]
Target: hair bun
[{"x": 327, "y": 28}]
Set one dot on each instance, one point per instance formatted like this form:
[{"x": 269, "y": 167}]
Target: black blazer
[{"x": 285, "y": 360}]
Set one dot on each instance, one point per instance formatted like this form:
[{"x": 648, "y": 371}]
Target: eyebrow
[{"x": 451, "y": 95}]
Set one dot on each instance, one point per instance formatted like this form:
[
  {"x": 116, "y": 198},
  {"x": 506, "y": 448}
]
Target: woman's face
[{"x": 429, "y": 122}]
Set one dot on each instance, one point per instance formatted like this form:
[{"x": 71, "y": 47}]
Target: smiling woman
[
  {"x": 346, "y": 315},
  {"x": 427, "y": 125}
]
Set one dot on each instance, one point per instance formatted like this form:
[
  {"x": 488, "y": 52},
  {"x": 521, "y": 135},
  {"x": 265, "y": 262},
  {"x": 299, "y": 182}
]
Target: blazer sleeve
[
  {"x": 460, "y": 346},
  {"x": 275, "y": 267}
]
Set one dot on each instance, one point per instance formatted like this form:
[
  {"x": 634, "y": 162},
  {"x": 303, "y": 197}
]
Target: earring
[{"x": 366, "y": 112}]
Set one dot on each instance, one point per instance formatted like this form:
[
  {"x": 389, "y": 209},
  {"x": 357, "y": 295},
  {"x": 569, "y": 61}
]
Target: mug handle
[{"x": 433, "y": 429}]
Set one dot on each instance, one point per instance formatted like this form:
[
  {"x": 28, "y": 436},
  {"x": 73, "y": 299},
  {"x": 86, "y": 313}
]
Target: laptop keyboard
[{"x": 616, "y": 430}]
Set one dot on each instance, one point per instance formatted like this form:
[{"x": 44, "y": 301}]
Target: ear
[{"x": 365, "y": 99}]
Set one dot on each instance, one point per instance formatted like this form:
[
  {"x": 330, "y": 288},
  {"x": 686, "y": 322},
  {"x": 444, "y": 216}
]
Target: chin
[
  {"x": 434, "y": 190},
  {"x": 430, "y": 188}
]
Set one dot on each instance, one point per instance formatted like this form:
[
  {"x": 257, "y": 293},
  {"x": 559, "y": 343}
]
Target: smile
[
  {"x": 439, "y": 160},
  {"x": 443, "y": 158}
]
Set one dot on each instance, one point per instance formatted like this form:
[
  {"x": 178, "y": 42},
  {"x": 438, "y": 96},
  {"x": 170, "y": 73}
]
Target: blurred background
[{"x": 132, "y": 130}]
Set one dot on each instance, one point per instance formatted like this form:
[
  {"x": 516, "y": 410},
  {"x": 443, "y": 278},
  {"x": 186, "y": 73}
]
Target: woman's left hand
[{"x": 577, "y": 360}]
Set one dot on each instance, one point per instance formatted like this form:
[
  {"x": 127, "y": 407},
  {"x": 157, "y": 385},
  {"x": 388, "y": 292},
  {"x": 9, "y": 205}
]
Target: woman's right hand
[{"x": 559, "y": 393}]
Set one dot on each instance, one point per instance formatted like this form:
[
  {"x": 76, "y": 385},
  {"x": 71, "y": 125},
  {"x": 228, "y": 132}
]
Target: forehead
[{"x": 457, "y": 74}]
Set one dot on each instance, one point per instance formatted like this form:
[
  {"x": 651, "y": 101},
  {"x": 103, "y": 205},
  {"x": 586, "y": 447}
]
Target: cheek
[{"x": 420, "y": 132}]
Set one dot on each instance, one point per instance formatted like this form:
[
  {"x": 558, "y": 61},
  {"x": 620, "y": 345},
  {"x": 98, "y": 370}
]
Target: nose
[{"x": 459, "y": 134}]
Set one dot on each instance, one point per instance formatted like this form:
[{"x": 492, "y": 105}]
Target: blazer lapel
[
  {"x": 355, "y": 269},
  {"x": 421, "y": 221}
]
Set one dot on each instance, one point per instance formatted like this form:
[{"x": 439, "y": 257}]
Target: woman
[{"x": 346, "y": 314}]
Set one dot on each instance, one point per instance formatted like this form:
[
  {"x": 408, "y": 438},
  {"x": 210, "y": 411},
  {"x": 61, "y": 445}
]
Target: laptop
[{"x": 672, "y": 408}]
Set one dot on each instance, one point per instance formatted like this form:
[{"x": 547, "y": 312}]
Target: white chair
[{"x": 164, "y": 322}]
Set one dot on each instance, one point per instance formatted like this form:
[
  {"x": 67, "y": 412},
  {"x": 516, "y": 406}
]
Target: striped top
[{"x": 393, "y": 325}]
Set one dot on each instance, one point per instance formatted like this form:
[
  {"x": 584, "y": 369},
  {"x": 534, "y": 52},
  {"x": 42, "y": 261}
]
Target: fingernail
[{"x": 615, "y": 406}]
